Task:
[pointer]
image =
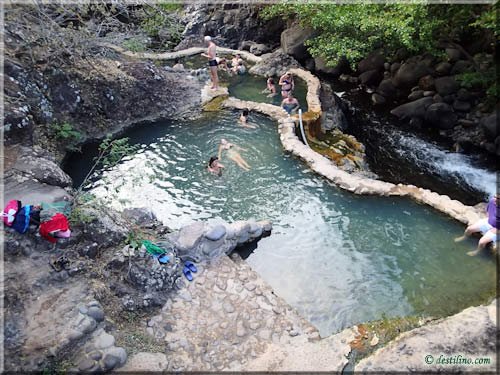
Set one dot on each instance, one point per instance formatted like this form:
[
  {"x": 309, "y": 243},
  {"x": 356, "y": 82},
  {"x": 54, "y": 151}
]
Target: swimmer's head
[
  {"x": 223, "y": 141},
  {"x": 245, "y": 112},
  {"x": 212, "y": 160},
  {"x": 270, "y": 80},
  {"x": 207, "y": 38}
]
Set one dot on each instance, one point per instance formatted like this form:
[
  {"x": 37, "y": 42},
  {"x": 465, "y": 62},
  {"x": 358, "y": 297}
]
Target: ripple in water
[{"x": 339, "y": 259}]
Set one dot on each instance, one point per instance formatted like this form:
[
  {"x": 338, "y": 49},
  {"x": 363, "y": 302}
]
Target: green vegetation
[
  {"x": 159, "y": 22},
  {"x": 134, "y": 45},
  {"x": 66, "y": 134},
  {"x": 354, "y": 30}
]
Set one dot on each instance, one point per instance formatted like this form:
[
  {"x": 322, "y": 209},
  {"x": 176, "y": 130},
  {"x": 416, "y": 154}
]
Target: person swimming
[
  {"x": 214, "y": 166},
  {"x": 233, "y": 154},
  {"x": 244, "y": 120},
  {"x": 287, "y": 84},
  {"x": 270, "y": 87}
]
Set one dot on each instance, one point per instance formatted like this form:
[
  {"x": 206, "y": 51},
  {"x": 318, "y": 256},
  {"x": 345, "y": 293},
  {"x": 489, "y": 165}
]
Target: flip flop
[
  {"x": 163, "y": 258},
  {"x": 191, "y": 266},
  {"x": 187, "y": 273}
]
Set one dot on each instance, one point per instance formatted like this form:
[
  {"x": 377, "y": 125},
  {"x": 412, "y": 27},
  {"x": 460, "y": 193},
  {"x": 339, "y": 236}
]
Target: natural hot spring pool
[
  {"x": 340, "y": 259},
  {"x": 248, "y": 86}
]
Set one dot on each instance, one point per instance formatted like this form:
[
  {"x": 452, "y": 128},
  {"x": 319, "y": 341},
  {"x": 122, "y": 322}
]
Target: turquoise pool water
[
  {"x": 338, "y": 258},
  {"x": 248, "y": 86}
]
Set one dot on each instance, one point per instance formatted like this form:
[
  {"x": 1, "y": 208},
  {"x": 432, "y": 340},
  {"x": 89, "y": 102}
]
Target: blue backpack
[{"x": 22, "y": 220}]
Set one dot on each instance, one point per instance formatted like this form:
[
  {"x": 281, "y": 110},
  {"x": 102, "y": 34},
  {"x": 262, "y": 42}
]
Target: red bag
[{"x": 10, "y": 211}]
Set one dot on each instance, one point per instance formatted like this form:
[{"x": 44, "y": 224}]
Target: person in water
[
  {"x": 487, "y": 226},
  {"x": 241, "y": 68},
  {"x": 244, "y": 120},
  {"x": 212, "y": 61},
  {"x": 233, "y": 154},
  {"x": 270, "y": 87},
  {"x": 214, "y": 166},
  {"x": 178, "y": 65},
  {"x": 290, "y": 104},
  {"x": 222, "y": 63},
  {"x": 287, "y": 84},
  {"x": 236, "y": 61}
]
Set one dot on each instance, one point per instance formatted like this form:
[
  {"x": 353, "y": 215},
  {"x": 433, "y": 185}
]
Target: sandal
[{"x": 186, "y": 271}]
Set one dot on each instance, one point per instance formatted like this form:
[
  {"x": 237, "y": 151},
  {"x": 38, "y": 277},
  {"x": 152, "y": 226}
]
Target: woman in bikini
[
  {"x": 270, "y": 88},
  {"x": 287, "y": 84},
  {"x": 233, "y": 154}
]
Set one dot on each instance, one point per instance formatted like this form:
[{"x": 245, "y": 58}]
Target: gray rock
[
  {"x": 489, "y": 124},
  {"x": 441, "y": 115},
  {"x": 87, "y": 325},
  {"x": 453, "y": 54},
  {"x": 104, "y": 340},
  {"x": 446, "y": 85},
  {"x": 409, "y": 73},
  {"x": 426, "y": 83},
  {"x": 374, "y": 61},
  {"x": 395, "y": 67},
  {"x": 370, "y": 77},
  {"x": 292, "y": 41},
  {"x": 342, "y": 67},
  {"x": 378, "y": 99},
  {"x": 429, "y": 93},
  {"x": 416, "y": 95},
  {"x": 216, "y": 233},
  {"x": 462, "y": 66},
  {"x": 240, "y": 329},
  {"x": 143, "y": 217},
  {"x": 96, "y": 313},
  {"x": 87, "y": 365},
  {"x": 189, "y": 236},
  {"x": 119, "y": 353},
  {"x": 274, "y": 64},
  {"x": 228, "y": 307},
  {"x": 95, "y": 355},
  {"x": 443, "y": 68},
  {"x": 413, "y": 109},
  {"x": 110, "y": 362},
  {"x": 386, "y": 88},
  {"x": 259, "y": 49}
]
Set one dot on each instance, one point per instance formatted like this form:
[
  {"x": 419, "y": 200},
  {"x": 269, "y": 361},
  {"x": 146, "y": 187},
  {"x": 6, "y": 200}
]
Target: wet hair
[
  {"x": 212, "y": 159},
  {"x": 176, "y": 60},
  {"x": 271, "y": 80},
  {"x": 245, "y": 112}
]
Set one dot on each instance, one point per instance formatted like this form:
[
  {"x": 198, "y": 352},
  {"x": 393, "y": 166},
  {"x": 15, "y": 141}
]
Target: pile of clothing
[{"x": 50, "y": 217}]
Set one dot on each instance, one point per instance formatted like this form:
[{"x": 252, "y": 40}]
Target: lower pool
[{"x": 338, "y": 258}]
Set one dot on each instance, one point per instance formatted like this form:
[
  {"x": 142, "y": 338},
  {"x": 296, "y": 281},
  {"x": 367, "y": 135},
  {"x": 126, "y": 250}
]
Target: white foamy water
[{"x": 459, "y": 167}]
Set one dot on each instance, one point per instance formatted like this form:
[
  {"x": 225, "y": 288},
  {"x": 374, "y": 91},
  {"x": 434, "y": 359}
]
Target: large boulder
[
  {"x": 416, "y": 108},
  {"x": 374, "y": 61},
  {"x": 259, "y": 49},
  {"x": 370, "y": 77},
  {"x": 441, "y": 116},
  {"x": 446, "y": 85},
  {"x": 342, "y": 67},
  {"x": 292, "y": 41},
  {"x": 490, "y": 126},
  {"x": 274, "y": 64},
  {"x": 443, "y": 68},
  {"x": 410, "y": 72},
  {"x": 386, "y": 88},
  {"x": 462, "y": 66}
]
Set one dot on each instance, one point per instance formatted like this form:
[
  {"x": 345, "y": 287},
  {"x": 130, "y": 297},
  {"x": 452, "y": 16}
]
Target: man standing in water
[{"x": 212, "y": 61}]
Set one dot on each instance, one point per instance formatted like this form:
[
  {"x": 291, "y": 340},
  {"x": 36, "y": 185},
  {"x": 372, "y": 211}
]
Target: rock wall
[
  {"x": 233, "y": 25},
  {"x": 469, "y": 334}
]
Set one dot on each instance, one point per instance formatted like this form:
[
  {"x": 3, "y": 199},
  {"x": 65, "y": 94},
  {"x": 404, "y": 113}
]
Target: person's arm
[{"x": 280, "y": 82}]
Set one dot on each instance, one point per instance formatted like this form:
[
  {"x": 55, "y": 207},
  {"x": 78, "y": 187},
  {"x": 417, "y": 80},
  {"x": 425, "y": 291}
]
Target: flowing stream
[{"x": 340, "y": 259}]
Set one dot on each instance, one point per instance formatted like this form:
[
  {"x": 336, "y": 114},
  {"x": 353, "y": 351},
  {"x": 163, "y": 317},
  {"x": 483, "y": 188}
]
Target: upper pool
[
  {"x": 249, "y": 86},
  {"x": 338, "y": 258}
]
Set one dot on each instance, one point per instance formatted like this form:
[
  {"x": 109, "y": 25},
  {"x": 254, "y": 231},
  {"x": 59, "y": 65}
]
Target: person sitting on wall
[
  {"x": 487, "y": 227},
  {"x": 290, "y": 104}
]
